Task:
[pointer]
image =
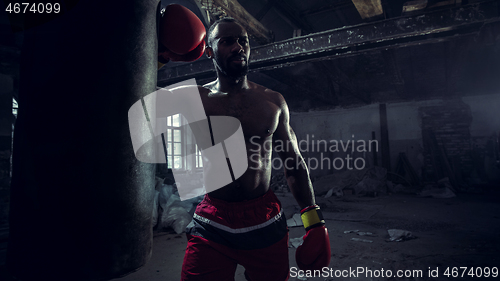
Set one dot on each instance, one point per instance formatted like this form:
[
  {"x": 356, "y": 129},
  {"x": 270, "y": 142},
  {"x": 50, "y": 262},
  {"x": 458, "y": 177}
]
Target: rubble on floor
[
  {"x": 399, "y": 235},
  {"x": 360, "y": 233},
  {"x": 296, "y": 242},
  {"x": 394, "y": 188},
  {"x": 443, "y": 190},
  {"x": 295, "y": 220},
  {"x": 168, "y": 210},
  {"x": 362, "y": 240}
]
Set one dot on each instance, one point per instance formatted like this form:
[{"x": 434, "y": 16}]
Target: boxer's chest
[{"x": 259, "y": 117}]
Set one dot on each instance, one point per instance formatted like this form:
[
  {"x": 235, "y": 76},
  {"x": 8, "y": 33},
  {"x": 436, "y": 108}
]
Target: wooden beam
[
  {"x": 368, "y": 8},
  {"x": 254, "y": 28}
]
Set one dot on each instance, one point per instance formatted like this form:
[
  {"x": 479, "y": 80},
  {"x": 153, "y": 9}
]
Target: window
[
  {"x": 179, "y": 142},
  {"x": 173, "y": 142},
  {"x": 199, "y": 159},
  {"x": 14, "y": 107}
]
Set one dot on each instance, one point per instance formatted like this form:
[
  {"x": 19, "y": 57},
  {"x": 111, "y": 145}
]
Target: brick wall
[{"x": 450, "y": 122}]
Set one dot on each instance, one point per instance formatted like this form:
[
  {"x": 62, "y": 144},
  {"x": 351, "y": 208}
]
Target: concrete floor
[{"x": 456, "y": 232}]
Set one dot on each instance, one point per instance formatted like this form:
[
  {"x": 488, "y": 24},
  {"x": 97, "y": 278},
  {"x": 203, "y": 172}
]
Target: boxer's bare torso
[
  {"x": 263, "y": 115},
  {"x": 258, "y": 109}
]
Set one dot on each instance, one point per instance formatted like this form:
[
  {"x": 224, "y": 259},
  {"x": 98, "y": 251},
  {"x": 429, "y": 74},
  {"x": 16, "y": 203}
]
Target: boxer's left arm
[
  {"x": 314, "y": 253},
  {"x": 295, "y": 168}
]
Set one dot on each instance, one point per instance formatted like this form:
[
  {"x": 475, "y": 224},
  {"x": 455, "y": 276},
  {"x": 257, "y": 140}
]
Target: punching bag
[{"x": 81, "y": 203}]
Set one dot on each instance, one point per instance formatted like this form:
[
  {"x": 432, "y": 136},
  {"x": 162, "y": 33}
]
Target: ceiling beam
[
  {"x": 436, "y": 26},
  {"x": 254, "y": 28}
]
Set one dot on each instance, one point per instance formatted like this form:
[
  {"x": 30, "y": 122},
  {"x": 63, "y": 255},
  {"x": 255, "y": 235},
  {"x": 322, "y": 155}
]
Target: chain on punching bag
[{"x": 80, "y": 201}]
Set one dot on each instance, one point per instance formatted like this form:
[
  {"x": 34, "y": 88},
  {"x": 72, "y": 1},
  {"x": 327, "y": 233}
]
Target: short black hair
[{"x": 214, "y": 24}]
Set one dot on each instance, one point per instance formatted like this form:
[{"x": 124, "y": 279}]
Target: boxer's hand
[
  {"x": 314, "y": 253},
  {"x": 181, "y": 35}
]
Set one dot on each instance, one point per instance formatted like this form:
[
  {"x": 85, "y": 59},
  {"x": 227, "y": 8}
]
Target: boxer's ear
[{"x": 209, "y": 52}]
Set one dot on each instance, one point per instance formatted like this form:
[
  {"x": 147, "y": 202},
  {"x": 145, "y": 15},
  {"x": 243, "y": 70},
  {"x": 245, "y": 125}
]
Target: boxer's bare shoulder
[
  {"x": 268, "y": 94},
  {"x": 274, "y": 98}
]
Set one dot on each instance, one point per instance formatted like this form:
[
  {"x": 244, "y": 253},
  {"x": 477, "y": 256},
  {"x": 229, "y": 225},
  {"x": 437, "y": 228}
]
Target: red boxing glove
[
  {"x": 314, "y": 253},
  {"x": 181, "y": 35}
]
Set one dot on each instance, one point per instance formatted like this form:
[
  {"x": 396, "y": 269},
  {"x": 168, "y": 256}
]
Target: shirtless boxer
[{"x": 243, "y": 223}]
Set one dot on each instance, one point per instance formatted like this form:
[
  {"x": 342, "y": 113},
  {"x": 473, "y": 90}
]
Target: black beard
[{"x": 235, "y": 73}]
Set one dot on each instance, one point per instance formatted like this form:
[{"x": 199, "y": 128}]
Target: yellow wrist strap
[{"x": 312, "y": 217}]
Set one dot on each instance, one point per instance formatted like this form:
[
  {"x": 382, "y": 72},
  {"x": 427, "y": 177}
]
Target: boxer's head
[{"x": 228, "y": 47}]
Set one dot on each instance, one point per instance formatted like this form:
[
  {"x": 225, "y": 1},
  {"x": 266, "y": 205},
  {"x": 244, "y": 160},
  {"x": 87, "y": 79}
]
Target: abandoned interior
[{"x": 395, "y": 105}]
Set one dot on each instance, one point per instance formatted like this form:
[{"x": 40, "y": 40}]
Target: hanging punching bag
[{"x": 81, "y": 203}]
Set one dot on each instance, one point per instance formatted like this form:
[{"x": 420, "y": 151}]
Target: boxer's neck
[{"x": 230, "y": 85}]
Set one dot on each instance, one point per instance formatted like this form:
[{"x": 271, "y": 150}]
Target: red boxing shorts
[{"x": 251, "y": 233}]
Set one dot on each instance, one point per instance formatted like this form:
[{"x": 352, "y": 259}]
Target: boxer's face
[{"x": 230, "y": 49}]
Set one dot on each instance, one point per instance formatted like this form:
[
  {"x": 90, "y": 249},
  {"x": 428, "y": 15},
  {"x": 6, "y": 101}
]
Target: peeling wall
[
  {"x": 342, "y": 124},
  {"x": 472, "y": 139}
]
